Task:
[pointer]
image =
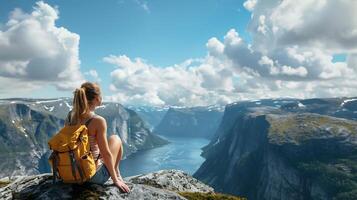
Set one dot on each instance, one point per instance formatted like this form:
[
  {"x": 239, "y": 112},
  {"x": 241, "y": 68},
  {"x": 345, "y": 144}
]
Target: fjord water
[{"x": 181, "y": 153}]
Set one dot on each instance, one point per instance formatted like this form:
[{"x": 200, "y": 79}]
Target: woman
[{"x": 107, "y": 153}]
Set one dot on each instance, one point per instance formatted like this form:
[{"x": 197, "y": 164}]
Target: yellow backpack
[{"x": 71, "y": 158}]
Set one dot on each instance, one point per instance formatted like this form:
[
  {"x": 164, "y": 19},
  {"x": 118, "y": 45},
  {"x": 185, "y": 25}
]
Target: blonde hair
[{"x": 82, "y": 99}]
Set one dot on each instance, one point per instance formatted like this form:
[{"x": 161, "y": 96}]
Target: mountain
[
  {"x": 27, "y": 124},
  {"x": 150, "y": 114},
  {"x": 190, "y": 122},
  {"x": 164, "y": 184},
  {"x": 130, "y": 127},
  {"x": 285, "y": 149},
  {"x": 23, "y": 138},
  {"x": 58, "y": 107},
  {"x": 337, "y": 107}
]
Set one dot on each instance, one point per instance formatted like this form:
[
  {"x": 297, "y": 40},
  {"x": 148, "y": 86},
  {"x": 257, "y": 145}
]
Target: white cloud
[
  {"x": 231, "y": 71},
  {"x": 291, "y": 56},
  {"x": 11, "y": 87},
  {"x": 328, "y": 25},
  {"x": 352, "y": 62},
  {"x": 34, "y": 50},
  {"x": 93, "y": 74},
  {"x": 297, "y": 41},
  {"x": 299, "y": 71},
  {"x": 193, "y": 82},
  {"x": 262, "y": 27},
  {"x": 250, "y": 4},
  {"x": 215, "y": 47}
]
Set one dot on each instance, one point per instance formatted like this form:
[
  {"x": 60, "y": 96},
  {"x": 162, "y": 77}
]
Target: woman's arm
[{"x": 101, "y": 136}]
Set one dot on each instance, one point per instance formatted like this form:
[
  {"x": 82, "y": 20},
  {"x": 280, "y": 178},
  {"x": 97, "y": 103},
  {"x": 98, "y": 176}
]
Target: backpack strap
[
  {"x": 97, "y": 158},
  {"x": 54, "y": 158},
  {"x": 89, "y": 120},
  {"x": 73, "y": 164},
  {"x": 68, "y": 118}
]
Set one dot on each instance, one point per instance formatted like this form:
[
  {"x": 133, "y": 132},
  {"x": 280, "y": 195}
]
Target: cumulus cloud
[
  {"x": 93, "y": 74},
  {"x": 294, "y": 42},
  {"x": 352, "y": 62},
  {"x": 193, "y": 82},
  {"x": 291, "y": 55},
  {"x": 34, "y": 50},
  {"x": 318, "y": 23},
  {"x": 10, "y": 88}
]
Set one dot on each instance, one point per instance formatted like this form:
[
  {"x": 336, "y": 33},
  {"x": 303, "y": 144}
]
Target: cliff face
[
  {"x": 165, "y": 184},
  {"x": 130, "y": 127},
  {"x": 190, "y": 122},
  {"x": 23, "y": 138},
  {"x": 265, "y": 152},
  {"x": 27, "y": 124}
]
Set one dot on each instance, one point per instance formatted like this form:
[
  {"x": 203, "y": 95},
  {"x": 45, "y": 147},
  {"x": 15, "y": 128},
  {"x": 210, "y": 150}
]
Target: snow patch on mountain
[{"x": 347, "y": 100}]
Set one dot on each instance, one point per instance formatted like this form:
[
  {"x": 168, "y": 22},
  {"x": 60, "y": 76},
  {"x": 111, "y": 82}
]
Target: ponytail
[
  {"x": 80, "y": 104},
  {"x": 83, "y": 97}
]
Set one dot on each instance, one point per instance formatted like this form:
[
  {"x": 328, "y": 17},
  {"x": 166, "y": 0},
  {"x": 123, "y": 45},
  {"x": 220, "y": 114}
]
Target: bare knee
[
  {"x": 115, "y": 139},
  {"x": 115, "y": 144}
]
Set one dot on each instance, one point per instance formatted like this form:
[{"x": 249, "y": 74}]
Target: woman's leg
[{"x": 115, "y": 146}]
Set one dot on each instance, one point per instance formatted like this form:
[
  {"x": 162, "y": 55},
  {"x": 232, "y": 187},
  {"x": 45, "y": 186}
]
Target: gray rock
[
  {"x": 175, "y": 180},
  {"x": 158, "y": 185}
]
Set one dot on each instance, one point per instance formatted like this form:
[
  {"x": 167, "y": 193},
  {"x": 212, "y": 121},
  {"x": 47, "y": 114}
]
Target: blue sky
[
  {"x": 168, "y": 32},
  {"x": 182, "y": 53}
]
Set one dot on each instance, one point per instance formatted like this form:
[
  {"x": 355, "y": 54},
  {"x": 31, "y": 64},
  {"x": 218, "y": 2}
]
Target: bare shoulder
[{"x": 99, "y": 120}]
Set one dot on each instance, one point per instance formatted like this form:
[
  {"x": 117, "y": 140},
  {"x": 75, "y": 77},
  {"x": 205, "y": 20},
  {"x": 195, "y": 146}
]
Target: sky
[{"x": 179, "y": 53}]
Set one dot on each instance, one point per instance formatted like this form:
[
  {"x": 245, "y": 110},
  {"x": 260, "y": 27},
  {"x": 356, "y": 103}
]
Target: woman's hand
[{"x": 122, "y": 186}]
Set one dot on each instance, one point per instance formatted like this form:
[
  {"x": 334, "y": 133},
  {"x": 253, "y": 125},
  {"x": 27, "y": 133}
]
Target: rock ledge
[{"x": 163, "y": 184}]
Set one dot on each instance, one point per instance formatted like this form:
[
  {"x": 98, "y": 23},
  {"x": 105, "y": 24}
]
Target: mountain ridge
[
  {"x": 263, "y": 151},
  {"x": 26, "y": 126}
]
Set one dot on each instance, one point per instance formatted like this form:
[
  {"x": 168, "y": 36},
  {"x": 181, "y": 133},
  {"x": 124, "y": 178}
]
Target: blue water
[{"x": 181, "y": 153}]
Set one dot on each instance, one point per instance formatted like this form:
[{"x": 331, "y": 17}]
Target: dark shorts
[{"x": 101, "y": 176}]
